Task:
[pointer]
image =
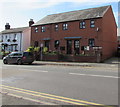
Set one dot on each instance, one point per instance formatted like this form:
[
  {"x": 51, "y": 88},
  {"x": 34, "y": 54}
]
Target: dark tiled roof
[
  {"x": 73, "y": 15},
  {"x": 13, "y": 30}
]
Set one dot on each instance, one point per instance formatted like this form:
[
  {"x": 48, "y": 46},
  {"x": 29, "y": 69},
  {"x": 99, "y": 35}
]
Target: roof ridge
[
  {"x": 80, "y": 10},
  {"x": 89, "y": 13},
  {"x": 106, "y": 10},
  {"x": 12, "y": 30}
]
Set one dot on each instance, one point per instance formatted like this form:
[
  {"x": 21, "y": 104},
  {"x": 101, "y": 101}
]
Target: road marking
[
  {"x": 49, "y": 96},
  {"x": 44, "y": 96},
  {"x": 94, "y": 75},
  {"x": 33, "y": 70},
  {"x": 27, "y": 98}
]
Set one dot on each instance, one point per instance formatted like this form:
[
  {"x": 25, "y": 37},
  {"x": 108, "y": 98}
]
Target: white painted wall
[
  {"x": 11, "y": 36},
  {"x": 22, "y": 39}
]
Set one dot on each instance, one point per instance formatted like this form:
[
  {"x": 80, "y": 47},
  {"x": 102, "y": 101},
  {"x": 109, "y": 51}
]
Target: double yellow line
[{"x": 49, "y": 96}]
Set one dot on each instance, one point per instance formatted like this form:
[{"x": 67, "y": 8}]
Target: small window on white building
[
  {"x": 1, "y": 38},
  {"x": 6, "y": 37},
  {"x": 15, "y": 36}
]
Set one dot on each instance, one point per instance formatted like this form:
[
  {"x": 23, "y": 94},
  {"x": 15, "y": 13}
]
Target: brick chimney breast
[{"x": 31, "y": 22}]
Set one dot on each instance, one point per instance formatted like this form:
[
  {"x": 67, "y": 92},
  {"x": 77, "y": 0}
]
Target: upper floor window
[
  {"x": 56, "y": 27},
  {"x": 15, "y": 36},
  {"x": 43, "y": 29},
  {"x": 6, "y": 37},
  {"x": 9, "y": 37},
  {"x": 36, "y": 29},
  {"x": 92, "y": 23},
  {"x": 82, "y": 25},
  {"x": 1, "y": 39},
  {"x": 91, "y": 42},
  {"x": 65, "y": 26}
]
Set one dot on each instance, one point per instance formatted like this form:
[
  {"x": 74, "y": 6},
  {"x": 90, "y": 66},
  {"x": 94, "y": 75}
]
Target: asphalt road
[{"x": 59, "y": 85}]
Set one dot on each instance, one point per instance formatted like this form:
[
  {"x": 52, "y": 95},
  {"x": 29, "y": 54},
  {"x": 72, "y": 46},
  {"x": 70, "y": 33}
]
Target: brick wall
[{"x": 105, "y": 37}]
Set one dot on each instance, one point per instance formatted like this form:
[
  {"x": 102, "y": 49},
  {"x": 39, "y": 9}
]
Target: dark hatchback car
[{"x": 19, "y": 58}]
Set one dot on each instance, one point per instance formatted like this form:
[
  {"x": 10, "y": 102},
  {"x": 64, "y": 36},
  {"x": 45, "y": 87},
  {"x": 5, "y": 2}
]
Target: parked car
[{"x": 19, "y": 58}]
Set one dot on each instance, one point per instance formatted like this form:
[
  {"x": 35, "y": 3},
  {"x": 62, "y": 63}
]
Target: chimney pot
[
  {"x": 7, "y": 26},
  {"x": 31, "y": 22}
]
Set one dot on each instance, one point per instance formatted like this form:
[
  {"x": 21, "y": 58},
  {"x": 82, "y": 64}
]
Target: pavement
[{"x": 114, "y": 62}]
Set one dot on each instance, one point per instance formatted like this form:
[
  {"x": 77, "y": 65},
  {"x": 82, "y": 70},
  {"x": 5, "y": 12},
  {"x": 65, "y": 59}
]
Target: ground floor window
[
  {"x": 10, "y": 48},
  {"x": 91, "y": 42},
  {"x": 13, "y": 47},
  {"x": 56, "y": 44}
]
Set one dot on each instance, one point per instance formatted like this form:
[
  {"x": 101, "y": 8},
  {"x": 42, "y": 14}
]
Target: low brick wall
[
  {"x": 50, "y": 58},
  {"x": 81, "y": 58},
  {"x": 68, "y": 58}
]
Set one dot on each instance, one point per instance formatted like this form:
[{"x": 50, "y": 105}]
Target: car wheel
[
  {"x": 5, "y": 61},
  {"x": 19, "y": 62}
]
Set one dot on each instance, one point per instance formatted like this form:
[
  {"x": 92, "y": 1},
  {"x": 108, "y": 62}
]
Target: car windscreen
[{"x": 15, "y": 54}]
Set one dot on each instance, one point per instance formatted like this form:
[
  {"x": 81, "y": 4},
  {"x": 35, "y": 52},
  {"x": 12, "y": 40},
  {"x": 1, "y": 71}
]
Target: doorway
[
  {"x": 47, "y": 44},
  {"x": 69, "y": 46}
]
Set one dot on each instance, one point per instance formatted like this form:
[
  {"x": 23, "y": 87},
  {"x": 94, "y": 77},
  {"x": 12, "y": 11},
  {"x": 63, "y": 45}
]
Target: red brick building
[{"x": 78, "y": 31}]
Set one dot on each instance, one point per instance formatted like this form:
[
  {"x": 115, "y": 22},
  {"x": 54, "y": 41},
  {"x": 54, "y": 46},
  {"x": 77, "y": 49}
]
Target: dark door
[
  {"x": 76, "y": 46},
  {"x": 69, "y": 46},
  {"x": 47, "y": 44}
]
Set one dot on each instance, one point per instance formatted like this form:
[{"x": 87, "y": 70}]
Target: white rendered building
[{"x": 15, "y": 39}]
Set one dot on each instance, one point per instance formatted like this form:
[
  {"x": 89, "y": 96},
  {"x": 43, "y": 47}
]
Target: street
[{"x": 58, "y": 85}]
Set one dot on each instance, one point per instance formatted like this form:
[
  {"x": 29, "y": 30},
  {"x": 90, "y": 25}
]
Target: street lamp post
[{"x": 41, "y": 45}]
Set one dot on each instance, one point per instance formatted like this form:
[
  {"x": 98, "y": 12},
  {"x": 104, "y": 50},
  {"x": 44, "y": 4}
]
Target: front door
[
  {"x": 69, "y": 46},
  {"x": 76, "y": 46},
  {"x": 47, "y": 44}
]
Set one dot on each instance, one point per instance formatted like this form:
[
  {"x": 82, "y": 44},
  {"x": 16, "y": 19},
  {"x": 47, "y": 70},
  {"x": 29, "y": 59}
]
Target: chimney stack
[
  {"x": 7, "y": 26},
  {"x": 31, "y": 22}
]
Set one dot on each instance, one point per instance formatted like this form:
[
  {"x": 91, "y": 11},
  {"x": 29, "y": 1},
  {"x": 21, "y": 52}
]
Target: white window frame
[
  {"x": 65, "y": 26},
  {"x": 36, "y": 29},
  {"x": 43, "y": 29},
  {"x": 82, "y": 25},
  {"x": 92, "y": 23}
]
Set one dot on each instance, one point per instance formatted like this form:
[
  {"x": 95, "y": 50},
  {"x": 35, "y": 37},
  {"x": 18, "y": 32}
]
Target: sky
[{"x": 18, "y": 12}]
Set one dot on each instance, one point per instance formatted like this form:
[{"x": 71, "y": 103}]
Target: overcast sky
[{"x": 18, "y": 12}]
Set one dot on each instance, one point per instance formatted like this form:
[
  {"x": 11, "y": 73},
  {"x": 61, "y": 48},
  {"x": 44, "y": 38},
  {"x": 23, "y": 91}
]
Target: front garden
[{"x": 46, "y": 55}]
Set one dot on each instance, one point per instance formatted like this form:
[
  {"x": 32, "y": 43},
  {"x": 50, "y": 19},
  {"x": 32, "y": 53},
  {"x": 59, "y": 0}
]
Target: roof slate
[
  {"x": 13, "y": 30},
  {"x": 73, "y": 15}
]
